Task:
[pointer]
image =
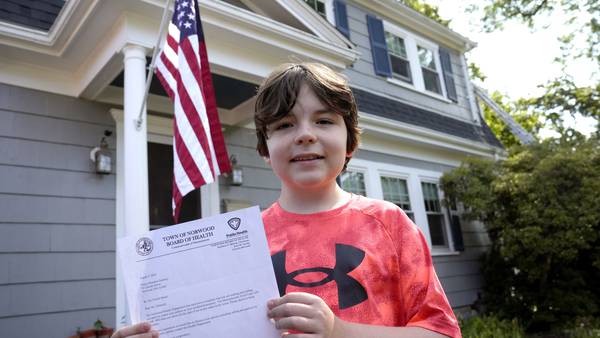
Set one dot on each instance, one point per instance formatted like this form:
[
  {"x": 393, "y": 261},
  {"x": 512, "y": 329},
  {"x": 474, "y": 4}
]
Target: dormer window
[
  {"x": 431, "y": 78},
  {"x": 318, "y": 6},
  {"x": 398, "y": 57}
]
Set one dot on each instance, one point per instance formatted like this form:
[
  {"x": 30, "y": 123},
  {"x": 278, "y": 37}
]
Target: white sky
[{"x": 516, "y": 60}]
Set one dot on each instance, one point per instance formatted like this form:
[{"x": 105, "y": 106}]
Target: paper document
[{"x": 206, "y": 278}]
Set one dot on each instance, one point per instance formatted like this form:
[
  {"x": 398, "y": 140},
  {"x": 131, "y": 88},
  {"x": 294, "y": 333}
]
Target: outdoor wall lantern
[
  {"x": 101, "y": 156},
  {"x": 236, "y": 177}
]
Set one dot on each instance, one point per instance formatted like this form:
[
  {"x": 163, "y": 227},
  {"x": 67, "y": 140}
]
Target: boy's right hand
[{"x": 139, "y": 330}]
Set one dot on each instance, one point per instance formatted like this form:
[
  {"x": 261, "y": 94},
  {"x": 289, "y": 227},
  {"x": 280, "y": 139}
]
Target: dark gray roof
[
  {"x": 395, "y": 110},
  {"x": 37, "y": 14}
]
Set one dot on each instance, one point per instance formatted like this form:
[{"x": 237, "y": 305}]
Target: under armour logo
[{"x": 347, "y": 258}]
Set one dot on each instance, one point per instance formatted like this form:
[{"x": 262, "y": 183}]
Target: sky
[{"x": 516, "y": 60}]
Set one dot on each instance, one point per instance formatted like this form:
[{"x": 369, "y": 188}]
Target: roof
[
  {"x": 398, "y": 111},
  {"x": 36, "y": 14}
]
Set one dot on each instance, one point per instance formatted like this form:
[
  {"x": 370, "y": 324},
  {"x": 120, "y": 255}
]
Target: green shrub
[
  {"x": 541, "y": 208},
  {"x": 490, "y": 327}
]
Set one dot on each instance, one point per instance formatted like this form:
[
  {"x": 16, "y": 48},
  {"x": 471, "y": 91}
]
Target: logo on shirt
[
  {"x": 347, "y": 258},
  {"x": 234, "y": 223},
  {"x": 144, "y": 246}
]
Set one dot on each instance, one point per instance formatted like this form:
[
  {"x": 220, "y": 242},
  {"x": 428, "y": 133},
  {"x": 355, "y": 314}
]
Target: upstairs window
[
  {"x": 431, "y": 77},
  {"x": 398, "y": 57},
  {"x": 318, "y": 6}
]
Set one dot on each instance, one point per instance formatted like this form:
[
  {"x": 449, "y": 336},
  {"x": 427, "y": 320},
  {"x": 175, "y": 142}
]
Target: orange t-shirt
[{"x": 366, "y": 259}]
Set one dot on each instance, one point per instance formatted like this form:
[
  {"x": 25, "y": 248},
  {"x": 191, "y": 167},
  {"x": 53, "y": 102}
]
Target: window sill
[
  {"x": 414, "y": 89},
  {"x": 443, "y": 252}
]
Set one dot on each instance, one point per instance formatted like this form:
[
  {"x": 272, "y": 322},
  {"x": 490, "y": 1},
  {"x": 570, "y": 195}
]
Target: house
[{"x": 72, "y": 70}]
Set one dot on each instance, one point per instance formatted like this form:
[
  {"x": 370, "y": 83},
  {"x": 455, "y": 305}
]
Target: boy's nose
[{"x": 305, "y": 135}]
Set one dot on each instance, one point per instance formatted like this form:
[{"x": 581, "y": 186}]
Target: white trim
[
  {"x": 373, "y": 171},
  {"x": 395, "y": 11},
  {"x": 409, "y": 86},
  {"x": 470, "y": 90}
]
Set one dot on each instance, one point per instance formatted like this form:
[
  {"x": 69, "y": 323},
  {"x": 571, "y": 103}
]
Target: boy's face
[{"x": 307, "y": 148}]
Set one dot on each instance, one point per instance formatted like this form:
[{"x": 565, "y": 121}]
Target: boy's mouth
[{"x": 306, "y": 157}]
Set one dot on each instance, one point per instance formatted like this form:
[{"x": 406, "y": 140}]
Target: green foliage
[
  {"x": 562, "y": 96},
  {"x": 541, "y": 207},
  {"x": 530, "y": 120},
  {"x": 426, "y": 9},
  {"x": 490, "y": 327}
]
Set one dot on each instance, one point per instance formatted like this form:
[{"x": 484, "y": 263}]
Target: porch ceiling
[{"x": 80, "y": 56}]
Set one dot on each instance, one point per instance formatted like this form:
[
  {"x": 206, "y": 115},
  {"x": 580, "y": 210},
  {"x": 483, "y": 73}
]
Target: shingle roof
[
  {"x": 37, "y": 14},
  {"x": 395, "y": 110}
]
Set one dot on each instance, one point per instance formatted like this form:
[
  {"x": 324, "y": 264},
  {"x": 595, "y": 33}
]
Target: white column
[
  {"x": 135, "y": 143},
  {"x": 132, "y": 215},
  {"x": 121, "y": 304}
]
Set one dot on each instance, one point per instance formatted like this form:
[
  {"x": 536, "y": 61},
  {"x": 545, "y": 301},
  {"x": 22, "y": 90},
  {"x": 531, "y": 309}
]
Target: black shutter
[
  {"x": 381, "y": 62},
  {"x": 457, "y": 237},
  {"x": 341, "y": 17},
  {"x": 448, "y": 75}
]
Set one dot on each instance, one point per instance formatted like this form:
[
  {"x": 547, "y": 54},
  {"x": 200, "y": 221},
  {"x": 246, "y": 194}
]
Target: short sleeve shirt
[{"x": 366, "y": 259}]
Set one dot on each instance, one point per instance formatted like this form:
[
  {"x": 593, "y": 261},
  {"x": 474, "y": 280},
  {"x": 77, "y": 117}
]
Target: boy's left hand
[{"x": 302, "y": 312}]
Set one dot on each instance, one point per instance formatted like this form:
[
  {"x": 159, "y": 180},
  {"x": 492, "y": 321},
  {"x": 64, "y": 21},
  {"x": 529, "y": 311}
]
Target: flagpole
[{"x": 139, "y": 120}]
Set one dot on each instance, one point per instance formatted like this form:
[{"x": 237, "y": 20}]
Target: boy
[{"x": 349, "y": 266}]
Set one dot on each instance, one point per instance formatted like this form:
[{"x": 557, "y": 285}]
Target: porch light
[
  {"x": 236, "y": 177},
  {"x": 101, "y": 156}
]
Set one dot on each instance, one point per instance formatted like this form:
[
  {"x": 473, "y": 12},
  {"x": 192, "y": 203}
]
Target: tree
[
  {"x": 541, "y": 208},
  {"x": 562, "y": 96}
]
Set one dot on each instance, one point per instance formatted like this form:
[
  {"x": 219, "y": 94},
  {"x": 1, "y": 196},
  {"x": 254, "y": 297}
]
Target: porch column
[
  {"x": 132, "y": 163},
  {"x": 135, "y": 143}
]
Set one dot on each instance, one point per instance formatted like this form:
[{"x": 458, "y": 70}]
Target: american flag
[{"x": 199, "y": 152}]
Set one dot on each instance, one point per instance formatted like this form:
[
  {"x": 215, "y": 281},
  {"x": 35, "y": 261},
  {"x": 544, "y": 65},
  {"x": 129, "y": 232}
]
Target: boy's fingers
[
  {"x": 290, "y": 310},
  {"x": 293, "y": 297},
  {"x": 296, "y": 323},
  {"x": 131, "y": 330}
]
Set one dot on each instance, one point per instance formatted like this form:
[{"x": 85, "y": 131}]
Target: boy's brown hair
[{"x": 278, "y": 93}]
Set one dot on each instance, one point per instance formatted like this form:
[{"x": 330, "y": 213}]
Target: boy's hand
[
  {"x": 303, "y": 312},
  {"x": 140, "y": 330}
]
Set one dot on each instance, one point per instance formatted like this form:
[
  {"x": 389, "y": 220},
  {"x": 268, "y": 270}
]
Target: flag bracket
[{"x": 140, "y": 119}]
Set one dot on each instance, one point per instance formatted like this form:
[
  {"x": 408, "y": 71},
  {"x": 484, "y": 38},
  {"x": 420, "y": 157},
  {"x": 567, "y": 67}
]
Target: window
[
  {"x": 430, "y": 74},
  {"x": 435, "y": 215},
  {"x": 414, "y": 190},
  {"x": 409, "y": 60},
  {"x": 353, "y": 182},
  {"x": 398, "y": 57},
  {"x": 318, "y": 6},
  {"x": 395, "y": 190}
]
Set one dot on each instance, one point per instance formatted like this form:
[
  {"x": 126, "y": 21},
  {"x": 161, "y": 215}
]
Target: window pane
[
  {"x": 353, "y": 182},
  {"x": 401, "y": 68},
  {"x": 395, "y": 190},
  {"x": 318, "y": 6},
  {"x": 426, "y": 58},
  {"x": 395, "y": 45},
  {"x": 436, "y": 229},
  {"x": 432, "y": 81}
]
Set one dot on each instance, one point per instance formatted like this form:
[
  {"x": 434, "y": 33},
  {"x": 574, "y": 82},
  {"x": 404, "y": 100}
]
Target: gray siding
[
  {"x": 363, "y": 75},
  {"x": 261, "y": 186},
  {"x": 57, "y": 234},
  {"x": 459, "y": 274}
]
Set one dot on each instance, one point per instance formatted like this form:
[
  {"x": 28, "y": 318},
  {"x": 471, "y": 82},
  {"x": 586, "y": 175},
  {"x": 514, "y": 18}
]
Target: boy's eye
[
  {"x": 282, "y": 125},
  {"x": 324, "y": 121}
]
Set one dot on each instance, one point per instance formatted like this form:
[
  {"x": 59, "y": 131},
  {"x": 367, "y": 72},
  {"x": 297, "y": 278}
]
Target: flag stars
[
  {"x": 185, "y": 4},
  {"x": 187, "y": 24},
  {"x": 191, "y": 16}
]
